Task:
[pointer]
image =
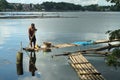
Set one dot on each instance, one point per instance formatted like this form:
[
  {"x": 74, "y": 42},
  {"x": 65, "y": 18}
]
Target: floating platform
[
  {"x": 31, "y": 49},
  {"x": 64, "y": 45},
  {"x": 47, "y": 46},
  {"x": 84, "y": 69}
]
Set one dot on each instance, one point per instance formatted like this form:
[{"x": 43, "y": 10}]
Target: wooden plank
[
  {"x": 64, "y": 45},
  {"x": 84, "y": 69},
  {"x": 81, "y": 71},
  {"x": 81, "y": 68},
  {"x": 90, "y": 73},
  {"x": 81, "y": 63},
  {"x": 74, "y": 66},
  {"x": 88, "y": 70},
  {"x": 100, "y": 77},
  {"x": 89, "y": 65},
  {"x": 92, "y": 68}
]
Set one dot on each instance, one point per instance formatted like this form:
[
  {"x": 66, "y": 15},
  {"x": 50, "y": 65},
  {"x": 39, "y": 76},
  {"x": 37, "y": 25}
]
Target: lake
[{"x": 75, "y": 26}]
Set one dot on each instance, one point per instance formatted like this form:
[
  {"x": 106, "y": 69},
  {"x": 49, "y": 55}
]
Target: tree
[
  {"x": 113, "y": 59},
  {"x": 19, "y": 7},
  {"x": 93, "y": 7},
  {"x": 61, "y": 6},
  {"x": 38, "y": 7},
  {"x": 113, "y": 34},
  {"x": 48, "y": 5},
  {"x": 3, "y": 4},
  {"x": 117, "y": 4},
  {"x": 114, "y": 1}
]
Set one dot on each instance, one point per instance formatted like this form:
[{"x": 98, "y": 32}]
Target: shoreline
[{"x": 24, "y": 17}]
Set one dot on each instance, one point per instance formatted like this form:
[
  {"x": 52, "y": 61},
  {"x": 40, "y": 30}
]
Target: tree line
[{"x": 60, "y": 6}]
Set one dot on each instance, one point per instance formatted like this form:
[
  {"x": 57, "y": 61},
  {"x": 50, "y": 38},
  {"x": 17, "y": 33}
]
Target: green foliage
[
  {"x": 38, "y": 7},
  {"x": 116, "y": 7},
  {"x": 3, "y": 4},
  {"x": 18, "y": 7},
  {"x": 116, "y": 53},
  {"x": 113, "y": 34},
  {"x": 114, "y": 1},
  {"x": 94, "y": 7},
  {"x": 52, "y": 6},
  {"x": 113, "y": 59}
]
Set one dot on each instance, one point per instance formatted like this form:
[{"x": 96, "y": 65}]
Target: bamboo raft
[
  {"x": 48, "y": 46},
  {"x": 84, "y": 69},
  {"x": 65, "y": 45}
]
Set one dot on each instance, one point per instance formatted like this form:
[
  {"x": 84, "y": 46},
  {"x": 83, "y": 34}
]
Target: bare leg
[{"x": 31, "y": 44}]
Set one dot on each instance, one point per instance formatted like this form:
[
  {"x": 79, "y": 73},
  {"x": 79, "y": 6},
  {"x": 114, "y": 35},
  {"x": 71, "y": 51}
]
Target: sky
[{"x": 80, "y": 2}]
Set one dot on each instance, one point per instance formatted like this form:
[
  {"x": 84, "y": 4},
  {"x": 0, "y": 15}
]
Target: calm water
[{"x": 86, "y": 26}]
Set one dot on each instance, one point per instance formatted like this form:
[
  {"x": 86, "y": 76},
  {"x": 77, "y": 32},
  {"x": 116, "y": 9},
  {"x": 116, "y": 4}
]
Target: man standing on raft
[{"x": 32, "y": 37}]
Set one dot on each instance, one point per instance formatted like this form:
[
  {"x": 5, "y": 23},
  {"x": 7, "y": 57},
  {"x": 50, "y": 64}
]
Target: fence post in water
[{"x": 19, "y": 63}]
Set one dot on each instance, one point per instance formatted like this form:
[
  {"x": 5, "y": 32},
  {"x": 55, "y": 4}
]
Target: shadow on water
[{"x": 32, "y": 61}]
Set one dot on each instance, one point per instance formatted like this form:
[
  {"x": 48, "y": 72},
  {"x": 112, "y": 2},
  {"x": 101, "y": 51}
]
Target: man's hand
[
  {"x": 35, "y": 29},
  {"x": 31, "y": 38}
]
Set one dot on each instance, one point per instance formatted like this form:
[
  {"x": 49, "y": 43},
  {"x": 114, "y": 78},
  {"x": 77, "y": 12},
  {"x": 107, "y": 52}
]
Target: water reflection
[
  {"x": 32, "y": 61},
  {"x": 19, "y": 69},
  {"x": 6, "y": 32},
  {"x": 47, "y": 50}
]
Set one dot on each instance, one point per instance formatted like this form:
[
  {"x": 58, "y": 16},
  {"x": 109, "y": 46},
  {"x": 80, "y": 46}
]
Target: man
[{"x": 32, "y": 37}]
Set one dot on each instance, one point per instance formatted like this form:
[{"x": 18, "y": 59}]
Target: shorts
[{"x": 33, "y": 39}]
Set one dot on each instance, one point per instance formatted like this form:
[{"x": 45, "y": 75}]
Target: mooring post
[{"x": 19, "y": 61}]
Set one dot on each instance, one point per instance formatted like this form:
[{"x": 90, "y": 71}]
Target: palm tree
[{"x": 114, "y": 34}]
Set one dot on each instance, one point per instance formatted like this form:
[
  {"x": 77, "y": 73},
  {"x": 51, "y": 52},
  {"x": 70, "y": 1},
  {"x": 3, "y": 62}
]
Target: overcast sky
[{"x": 81, "y": 2}]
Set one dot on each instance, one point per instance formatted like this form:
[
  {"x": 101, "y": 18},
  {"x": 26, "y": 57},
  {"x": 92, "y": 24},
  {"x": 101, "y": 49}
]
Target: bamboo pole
[
  {"x": 105, "y": 41},
  {"x": 102, "y": 48},
  {"x": 96, "y": 49}
]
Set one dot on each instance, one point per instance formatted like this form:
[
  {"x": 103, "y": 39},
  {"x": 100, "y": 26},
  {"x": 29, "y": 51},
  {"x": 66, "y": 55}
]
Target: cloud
[
  {"x": 88, "y": 2},
  {"x": 104, "y": 2}
]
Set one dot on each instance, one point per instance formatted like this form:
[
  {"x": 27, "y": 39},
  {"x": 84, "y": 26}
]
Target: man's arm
[{"x": 29, "y": 32}]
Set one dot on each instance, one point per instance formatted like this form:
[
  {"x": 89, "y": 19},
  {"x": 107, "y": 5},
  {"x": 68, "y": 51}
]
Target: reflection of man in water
[{"x": 32, "y": 67}]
